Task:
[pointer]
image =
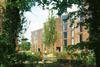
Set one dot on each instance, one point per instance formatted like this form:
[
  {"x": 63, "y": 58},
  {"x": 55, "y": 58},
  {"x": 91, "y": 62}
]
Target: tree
[
  {"x": 14, "y": 7},
  {"x": 50, "y": 33},
  {"x": 91, "y": 14},
  {"x": 95, "y": 28},
  {"x": 12, "y": 25},
  {"x": 25, "y": 45}
]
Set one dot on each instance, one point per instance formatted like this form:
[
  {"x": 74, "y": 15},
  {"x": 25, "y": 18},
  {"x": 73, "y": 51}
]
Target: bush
[
  {"x": 36, "y": 56},
  {"x": 25, "y": 56},
  {"x": 61, "y": 55}
]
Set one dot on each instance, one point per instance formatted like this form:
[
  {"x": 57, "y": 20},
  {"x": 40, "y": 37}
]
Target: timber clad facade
[{"x": 66, "y": 34}]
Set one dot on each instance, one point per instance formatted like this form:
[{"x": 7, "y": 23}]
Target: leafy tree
[
  {"x": 25, "y": 45},
  {"x": 12, "y": 23},
  {"x": 90, "y": 10},
  {"x": 50, "y": 33}
]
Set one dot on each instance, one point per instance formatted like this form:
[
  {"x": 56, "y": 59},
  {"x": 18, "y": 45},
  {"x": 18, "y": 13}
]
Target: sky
[{"x": 37, "y": 17}]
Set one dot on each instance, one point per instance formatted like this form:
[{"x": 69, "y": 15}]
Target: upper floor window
[
  {"x": 64, "y": 18},
  {"x": 64, "y": 26},
  {"x": 65, "y": 42},
  {"x": 65, "y": 34}
]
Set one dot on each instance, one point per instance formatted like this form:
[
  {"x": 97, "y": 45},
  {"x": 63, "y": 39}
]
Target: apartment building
[
  {"x": 67, "y": 34},
  {"x": 36, "y": 40}
]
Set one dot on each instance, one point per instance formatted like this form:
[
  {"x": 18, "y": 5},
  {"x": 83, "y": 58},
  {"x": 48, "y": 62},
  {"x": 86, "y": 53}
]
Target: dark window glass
[
  {"x": 64, "y": 18},
  {"x": 58, "y": 49},
  {"x": 39, "y": 49},
  {"x": 65, "y": 34},
  {"x": 80, "y": 37},
  {"x": 64, "y": 26},
  {"x": 65, "y": 42}
]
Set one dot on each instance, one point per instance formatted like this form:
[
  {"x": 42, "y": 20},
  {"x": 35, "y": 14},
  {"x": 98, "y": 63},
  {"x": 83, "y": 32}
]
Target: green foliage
[
  {"x": 61, "y": 55},
  {"x": 24, "y": 45},
  {"x": 49, "y": 36},
  {"x": 83, "y": 54},
  {"x": 60, "y": 5},
  {"x": 12, "y": 24},
  {"x": 36, "y": 56},
  {"x": 25, "y": 56}
]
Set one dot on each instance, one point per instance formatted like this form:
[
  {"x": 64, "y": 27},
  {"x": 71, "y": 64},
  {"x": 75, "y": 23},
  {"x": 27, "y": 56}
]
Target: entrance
[{"x": 58, "y": 49}]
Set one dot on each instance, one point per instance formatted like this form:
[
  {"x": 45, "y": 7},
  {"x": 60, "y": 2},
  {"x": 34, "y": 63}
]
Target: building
[
  {"x": 36, "y": 40},
  {"x": 59, "y": 42},
  {"x": 75, "y": 32},
  {"x": 67, "y": 34}
]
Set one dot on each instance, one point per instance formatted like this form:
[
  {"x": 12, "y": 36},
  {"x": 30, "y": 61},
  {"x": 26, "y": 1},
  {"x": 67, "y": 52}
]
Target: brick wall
[
  {"x": 36, "y": 40},
  {"x": 60, "y": 38}
]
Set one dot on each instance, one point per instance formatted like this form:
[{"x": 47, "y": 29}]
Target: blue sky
[{"x": 37, "y": 17}]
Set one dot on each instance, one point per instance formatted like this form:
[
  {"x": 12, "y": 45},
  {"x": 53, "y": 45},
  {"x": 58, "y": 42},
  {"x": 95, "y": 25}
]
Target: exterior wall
[
  {"x": 75, "y": 31},
  {"x": 85, "y": 34},
  {"x": 40, "y": 44},
  {"x": 59, "y": 41},
  {"x": 69, "y": 31},
  {"x": 36, "y": 40},
  {"x": 73, "y": 35},
  {"x": 32, "y": 42}
]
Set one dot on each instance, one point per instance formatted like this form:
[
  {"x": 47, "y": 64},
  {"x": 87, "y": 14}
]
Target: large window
[
  {"x": 65, "y": 34},
  {"x": 65, "y": 42},
  {"x": 64, "y": 26},
  {"x": 72, "y": 33},
  {"x": 72, "y": 41},
  {"x": 64, "y": 17},
  {"x": 38, "y": 49}
]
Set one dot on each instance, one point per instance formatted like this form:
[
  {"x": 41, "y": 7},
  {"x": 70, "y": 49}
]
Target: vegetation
[
  {"x": 50, "y": 33},
  {"x": 24, "y": 45},
  {"x": 90, "y": 12},
  {"x": 12, "y": 24}
]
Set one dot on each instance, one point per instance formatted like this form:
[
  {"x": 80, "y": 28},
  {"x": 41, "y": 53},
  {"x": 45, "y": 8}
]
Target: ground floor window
[
  {"x": 39, "y": 49},
  {"x": 58, "y": 49}
]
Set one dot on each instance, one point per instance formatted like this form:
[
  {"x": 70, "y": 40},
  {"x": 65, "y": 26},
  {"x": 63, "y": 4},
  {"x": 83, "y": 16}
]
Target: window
[
  {"x": 80, "y": 37},
  {"x": 64, "y": 26},
  {"x": 65, "y": 42},
  {"x": 58, "y": 49},
  {"x": 39, "y": 49},
  {"x": 65, "y": 34},
  {"x": 72, "y": 33},
  {"x": 72, "y": 41},
  {"x": 64, "y": 18}
]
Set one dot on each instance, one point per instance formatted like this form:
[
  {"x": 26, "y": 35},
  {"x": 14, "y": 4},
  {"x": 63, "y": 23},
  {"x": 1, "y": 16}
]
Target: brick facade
[
  {"x": 66, "y": 35},
  {"x": 36, "y": 40}
]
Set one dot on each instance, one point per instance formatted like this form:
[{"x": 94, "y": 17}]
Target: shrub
[
  {"x": 25, "y": 56},
  {"x": 61, "y": 55}
]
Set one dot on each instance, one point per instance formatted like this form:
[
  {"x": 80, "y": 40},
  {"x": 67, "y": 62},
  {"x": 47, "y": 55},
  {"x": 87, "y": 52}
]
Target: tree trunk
[{"x": 95, "y": 28}]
